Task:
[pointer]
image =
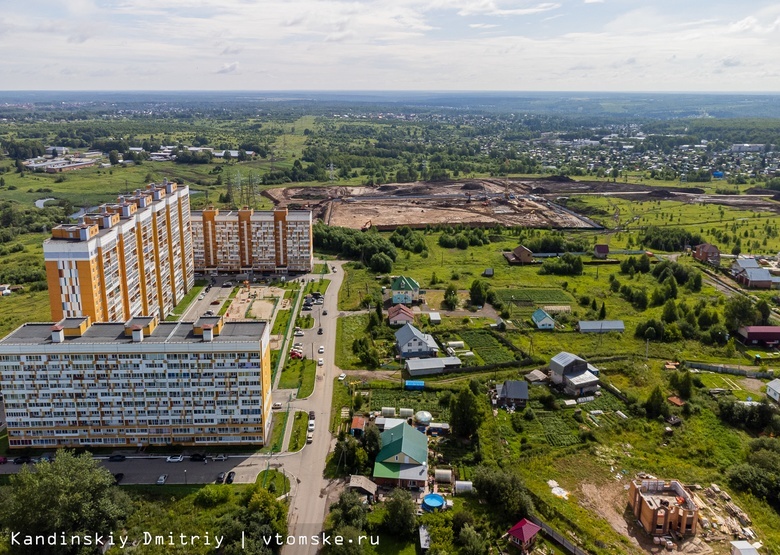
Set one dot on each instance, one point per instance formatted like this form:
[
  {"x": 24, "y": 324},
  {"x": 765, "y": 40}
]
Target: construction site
[{"x": 475, "y": 203}]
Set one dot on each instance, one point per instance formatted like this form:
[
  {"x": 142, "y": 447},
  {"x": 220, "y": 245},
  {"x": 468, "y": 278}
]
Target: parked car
[
  {"x": 162, "y": 479},
  {"x": 220, "y": 457},
  {"x": 309, "y": 437},
  {"x": 310, "y": 427},
  {"x": 220, "y": 477},
  {"x": 175, "y": 458},
  {"x": 230, "y": 477},
  {"x": 319, "y": 331},
  {"x": 46, "y": 458},
  {"x": 24, "y": 459},
  {"x": 342, "y": 377},
  {"x": 197, "y": 457},
  {"x": 209, "y": 313},
  {"x": 297, "y": 345},
  {"x": 324, "y": 312},
  {"x": 320, "y": 361},
  {"x": 311, "y": 415},
  {"x": 321, "y": 349},
  {"x": 116, "y": 458},
  {"x": 276, "y": 406},
  {"x": 299, "y": 333},
  {"x": 3, "y": 460},
  {"x": 306, "y": 307},
  {"x": 118, "y": 477},
  {"x": 201, "y": 297},
  {"x": 296, "y": 355}
]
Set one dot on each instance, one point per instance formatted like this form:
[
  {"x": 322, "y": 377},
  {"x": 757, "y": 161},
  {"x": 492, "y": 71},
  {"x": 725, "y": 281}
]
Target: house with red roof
[{"x": 523, "y": 535}]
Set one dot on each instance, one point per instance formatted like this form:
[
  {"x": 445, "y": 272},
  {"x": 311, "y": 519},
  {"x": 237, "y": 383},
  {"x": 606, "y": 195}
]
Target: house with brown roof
[
  {"x": 520, "y": 255},
  {"x": 707, "y": 253},
  {"x": 399, "y": 314}
]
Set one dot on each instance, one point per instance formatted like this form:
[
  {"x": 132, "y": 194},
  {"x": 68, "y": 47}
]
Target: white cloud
[
  {"x": 594, "y": 1},
  {"x": 232, "y": 67},
  {"x": 482, "y": 25}
]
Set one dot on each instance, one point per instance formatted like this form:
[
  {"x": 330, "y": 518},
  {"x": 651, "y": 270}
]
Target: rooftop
[{"x": 114, "y": 333}]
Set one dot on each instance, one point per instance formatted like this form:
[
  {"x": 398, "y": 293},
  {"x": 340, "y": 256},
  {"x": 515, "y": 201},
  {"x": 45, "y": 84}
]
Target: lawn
[
  {"x": 552, "y": 295},
  {"x": 339, "y": 400},
  {"x": 185, "y": 303},
  {"x": 20, "y": 308},
  {"x": 298, "y": 435},
  {"x": 320, "y": 269},
  {"x": 348, "y": 329},
  {"x": 318, "y": 286},
  {"x": 281, "y": 321},
  {"x": 299, "y": 374},
  {"x": 274, "y": 445},
  {"x": 358, "y": 283},
  {"x": 227, "y": 303},
  {"x": 274, "y": 481},
  {"x": 415, "y": 400}
]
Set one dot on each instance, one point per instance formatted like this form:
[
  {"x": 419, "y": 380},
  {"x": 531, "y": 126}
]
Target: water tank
[
  {"x": 406, "y": 413},
  {"x": 455, "y": 344},
  {"x": 462, "y": 486},
  {"x": 388, "y": 411},
  {"x": 423, "y": 417},
  {"x": 443, "y": 475}
]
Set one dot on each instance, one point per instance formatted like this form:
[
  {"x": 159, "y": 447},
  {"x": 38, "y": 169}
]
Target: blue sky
[{"x": 563, "y": 45}]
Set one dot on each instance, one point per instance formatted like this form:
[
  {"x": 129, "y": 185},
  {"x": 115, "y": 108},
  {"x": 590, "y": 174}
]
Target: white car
[
  {"x": 175, "y": 458},
  {"x": 320, "y": 362},
  {"x": 342, "y": 377},
  {"x": 299, "y": 334},
  {"x": 220, "y": 458},
  {"x": 276, "y": 406},
  {"x": 311, "y": 426},
  {"x": 321, "y": 349},
  {"x": 309, "y": 437}
]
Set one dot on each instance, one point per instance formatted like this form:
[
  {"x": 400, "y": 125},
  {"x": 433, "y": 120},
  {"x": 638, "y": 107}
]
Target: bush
[{"x": 212, "y": 495}]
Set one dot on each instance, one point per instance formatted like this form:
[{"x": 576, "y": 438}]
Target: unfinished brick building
[{"x": 663, "y": 507}]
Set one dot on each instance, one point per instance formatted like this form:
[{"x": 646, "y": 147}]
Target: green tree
[
  {"x": 347, "y": 511},
  {"x": 603, "y": 311},
  {"x": 764, "y": 311},
  {"x": 380, "y": 262},
  {"x": 73, "y": 495},
  {"x": 478, "y": 292},
  {"x": 685, "y": 385},
  {"x": 656, "y": 404},
  {"x": 466, "y": 414},
  {"x": 450, "y": 297},
  {"x": 113, "y": 157},
  {"x": 372, "y": 441},
  {"x": 472, "y": 542},
  {"x": 739, "y": 311},
  {"x": 505, "y": 488},
  {"x": 670, "y": 312},
  {"x": 400, "y": 516}
]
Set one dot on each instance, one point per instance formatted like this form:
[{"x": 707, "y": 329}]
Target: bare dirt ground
[
  {"x": 609, "y": 502},
  {"x": 482, "y": 202},
  {"x": 257, "y": 301}
]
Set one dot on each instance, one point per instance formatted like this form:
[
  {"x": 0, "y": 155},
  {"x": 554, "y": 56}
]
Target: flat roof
[{"x": 114, "y": 332}]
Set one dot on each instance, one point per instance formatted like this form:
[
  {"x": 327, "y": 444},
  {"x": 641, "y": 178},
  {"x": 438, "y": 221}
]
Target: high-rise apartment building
[
  {"x": 136, "y": 383},
  {"x": 129, "y": 258},
  {"x": 278, "y": 241}
]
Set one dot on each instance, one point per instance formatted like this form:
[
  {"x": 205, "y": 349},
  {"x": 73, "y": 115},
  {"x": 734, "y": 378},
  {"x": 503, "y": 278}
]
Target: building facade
[
  {"x": 662, "y": 507},
  {"x": 78, "y": 384},
  {"x": 278, "y": 241},
  {"x": 126, "y": 259}
]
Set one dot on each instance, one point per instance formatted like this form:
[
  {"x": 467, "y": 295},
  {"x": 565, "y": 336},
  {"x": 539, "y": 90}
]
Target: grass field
[
  {"x": 534, "y": 295},
  {"x": 339, "y": 400},
  {"x": 274, "y": 481},
  {"x": 348, "y": 329},
  {"x": 299, "y": 374},
  {"x": 357, "y": 285},
  {"x": 298, "y": 434},
  {"x": 281, "y": 321},
  {"x": 274, "y": 443}
]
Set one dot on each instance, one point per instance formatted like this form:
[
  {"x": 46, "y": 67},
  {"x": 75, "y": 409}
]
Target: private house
[
  {"x": 426, "y": 366},
  {"x": 523, "y": 535},
  {"x": 601, "y": 326},
  {"x": 412, "y": 343},
  {"x": 536, "y": 377},
  {"x": 403, "y": 459},
  {"x": 742, "y": 264},
  {"x": 520, "y": 255},
  {"x": 357, "y": 427},
  {"x": 757, "y": 278},
  {"x": 362, "y": 483},
  {"x": 399, "y": 314},
  {"x": 773, "y": 390},
  {"x": 512, "y": 393},
  {"x": 405, "y": 290},
  {"x": 707, "y": 253},
  {"x": 759, "y": 335},
  {"x": 601, "y": 252},
  {"x": 434, "y": 318},
  {"x": 574, "y": 374},
  {"x": 542, "y": 320},
  {"x": 663, "y": 507}
]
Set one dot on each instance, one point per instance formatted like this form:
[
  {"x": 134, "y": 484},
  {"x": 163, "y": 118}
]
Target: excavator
[{"x": 366, "y": 226}]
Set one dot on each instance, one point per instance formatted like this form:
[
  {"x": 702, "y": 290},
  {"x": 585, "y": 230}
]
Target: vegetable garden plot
[
  {"x": 534, "y": 295},
  {"x": 486, "y": 346},
  {"x": 557, "y": 433}
]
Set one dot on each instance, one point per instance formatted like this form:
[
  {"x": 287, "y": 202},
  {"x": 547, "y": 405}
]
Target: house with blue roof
[
  {"x": 412, "y": 343},
  {"x": 542, "y": 320}
]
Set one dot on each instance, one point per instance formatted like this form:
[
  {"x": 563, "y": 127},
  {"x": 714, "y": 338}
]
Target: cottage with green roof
[
  {"x": 403, "y": 459},
  {"x": 405, "y": 290},
  {"x": 542, "y": 320}
]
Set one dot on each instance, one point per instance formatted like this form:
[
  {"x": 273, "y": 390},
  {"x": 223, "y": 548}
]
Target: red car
[{"x": 3, "y": 460}]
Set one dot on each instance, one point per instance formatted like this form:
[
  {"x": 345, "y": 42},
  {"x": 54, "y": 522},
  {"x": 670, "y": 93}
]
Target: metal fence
[
  {"x": 557, "y": 537},
  {"x": 735, "y": 371}
]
